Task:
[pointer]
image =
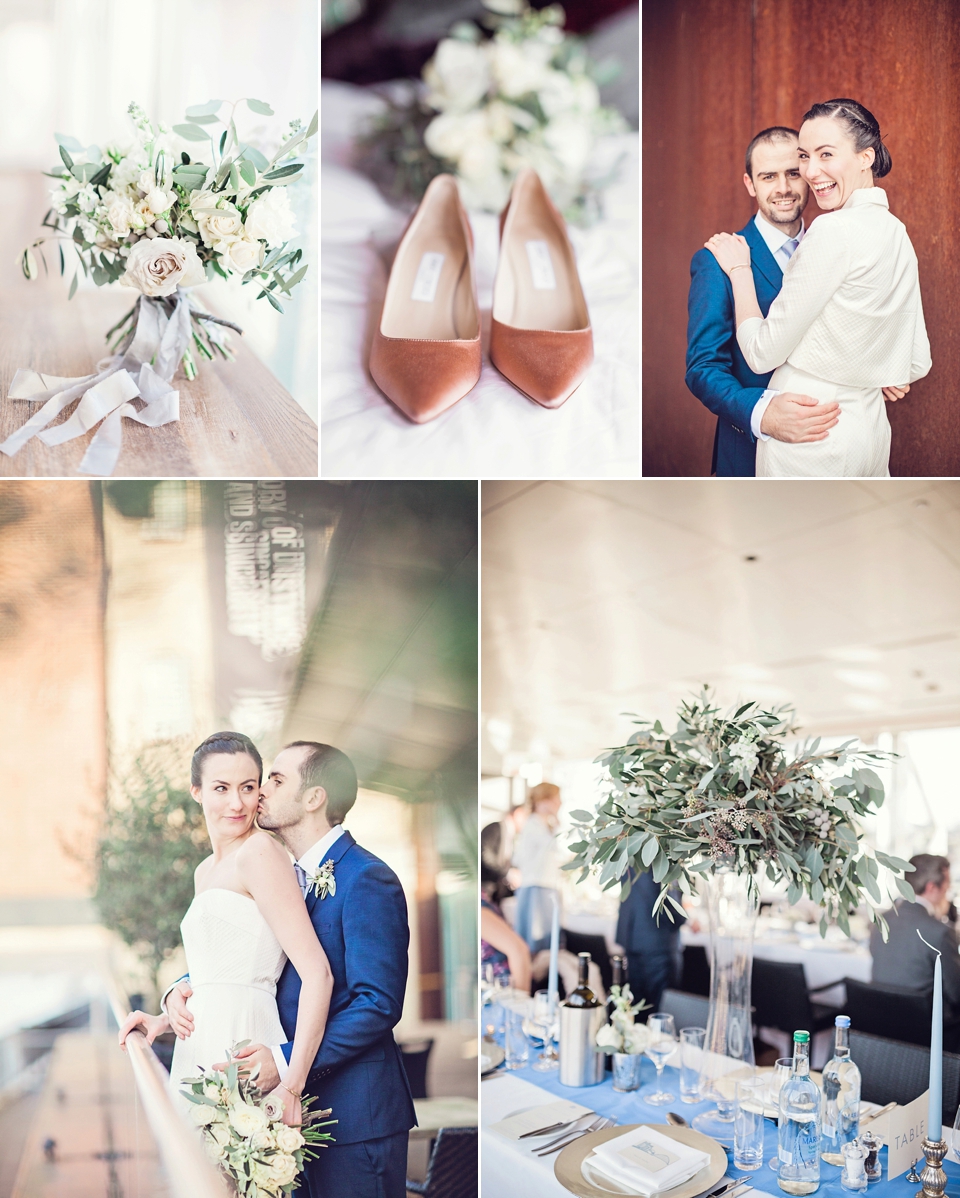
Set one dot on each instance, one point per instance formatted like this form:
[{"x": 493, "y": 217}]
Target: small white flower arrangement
[
  {"x": 623, "y": 1034},
  {"x": 323, "y": 882},
  {"x": 244, "y": 1132},
  {"x": 175, "y": 207},
  {"x": 519, "y": 93}
]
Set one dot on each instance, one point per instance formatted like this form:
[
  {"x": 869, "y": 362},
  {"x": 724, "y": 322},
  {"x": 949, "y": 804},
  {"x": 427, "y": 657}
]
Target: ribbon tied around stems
[{"x": 142, "y": 368}]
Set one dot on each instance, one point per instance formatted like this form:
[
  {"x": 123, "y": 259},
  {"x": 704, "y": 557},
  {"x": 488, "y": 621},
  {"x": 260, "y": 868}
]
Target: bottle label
[
  {"x": 786, "y": 1157},
  {"x": 428, "y": 276},
  {"x": 541, "y": 266}
]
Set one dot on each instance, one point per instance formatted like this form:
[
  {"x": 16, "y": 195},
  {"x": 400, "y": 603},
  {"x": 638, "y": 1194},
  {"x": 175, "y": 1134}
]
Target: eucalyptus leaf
[
  {"x": 313, "y": 126},
  {"x": 207, "y": 109},
  {"x": 249, "y": 172},
  {"x": 271, "y": 299},
  {"x": 191, "y": 132},
  {"x": 259, "y": 107},
  {"x": 67, "y": 160},
  {"x": 283, "y": 172},
  {"x": 73, "y": 288},
  {"x": 252, "y": 154},
  {"x": 205, "y": 118},
  {"x": 69, "y": 143}
]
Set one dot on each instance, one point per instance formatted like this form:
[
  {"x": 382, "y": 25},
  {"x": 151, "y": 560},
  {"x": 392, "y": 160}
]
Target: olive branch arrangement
[{"x": 725, "y": 792}]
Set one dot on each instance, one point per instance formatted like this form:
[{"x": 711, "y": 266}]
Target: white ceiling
[{"x": 607, "y": 597}]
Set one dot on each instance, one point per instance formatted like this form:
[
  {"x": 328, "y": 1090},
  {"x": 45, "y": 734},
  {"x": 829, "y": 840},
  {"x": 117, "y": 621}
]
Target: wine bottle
[{"x": 581, "y": 1017}]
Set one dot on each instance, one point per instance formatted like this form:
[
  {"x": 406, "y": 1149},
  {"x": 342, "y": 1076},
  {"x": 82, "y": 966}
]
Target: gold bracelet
[
  {"x": 740, "y": 266},
  {"x": 292, "y": 1093}
]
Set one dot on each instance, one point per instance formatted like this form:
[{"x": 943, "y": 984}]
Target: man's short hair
[
  {"x": 325, "y": 766},
  {"x": 774, "y": 133},
  {"x": 927, "y": 868}
]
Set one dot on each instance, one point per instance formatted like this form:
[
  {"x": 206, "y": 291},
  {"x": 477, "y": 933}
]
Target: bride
[
  {"x": 247, "y": 918},
  {"x": 848, "y": 317}
]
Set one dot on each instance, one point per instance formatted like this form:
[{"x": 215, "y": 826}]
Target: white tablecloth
[
  {"x": 494, "y": 432},
  {"x": 508, "y": 1169}
]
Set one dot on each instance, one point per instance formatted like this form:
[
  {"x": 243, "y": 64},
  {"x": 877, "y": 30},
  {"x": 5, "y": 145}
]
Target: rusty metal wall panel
[{"x": 901, "y": 58}]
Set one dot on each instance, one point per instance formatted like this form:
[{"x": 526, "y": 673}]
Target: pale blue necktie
[
  {"x": 301, "y": 878},
  {"x": 789, "y": 246}
]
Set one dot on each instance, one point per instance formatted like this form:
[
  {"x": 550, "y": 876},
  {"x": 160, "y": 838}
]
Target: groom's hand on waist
[
  {"x": 798, "y": 418},
  {"x": 181, "y": 1021},
  {"x": 257, "y": 1054}
]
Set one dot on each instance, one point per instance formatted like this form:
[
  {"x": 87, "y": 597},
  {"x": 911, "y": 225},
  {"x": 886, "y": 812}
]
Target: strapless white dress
[{"x": 234, "y": 961}]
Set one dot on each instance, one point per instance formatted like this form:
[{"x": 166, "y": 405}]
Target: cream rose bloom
[
  {"x": 159, "y": 200},
  {"x": 121, "y": 214},
  {"x": 202, "y": 1114},
  {"x": 247, "y": 1120},
  {"x": 240, "y": 255},
  {"x": 222, "y": 1134},
  {"x": 270, "y": 218},
  {"x": 283, "y": 1169},
  {"x": 289, "y": 1139},
  {"x": 161, "y": 265},
  {"x": 457, "y": 76},
  {"x": 218, "y": 225},
  {"x": 126, "y": 173}
]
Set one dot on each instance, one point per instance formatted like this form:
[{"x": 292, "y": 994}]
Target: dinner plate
[
  {"x": 491, "y": 1056},
  {"x": 575, "y": 1173}
]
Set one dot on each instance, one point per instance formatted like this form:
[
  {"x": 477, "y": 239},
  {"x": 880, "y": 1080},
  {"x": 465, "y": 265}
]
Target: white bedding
[{"x": 494, "y": 432}]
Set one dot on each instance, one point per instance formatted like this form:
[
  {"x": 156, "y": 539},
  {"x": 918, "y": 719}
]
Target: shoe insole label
[
  {"x": 541, "y": 266},
  {"x": 428, "y": 276}
]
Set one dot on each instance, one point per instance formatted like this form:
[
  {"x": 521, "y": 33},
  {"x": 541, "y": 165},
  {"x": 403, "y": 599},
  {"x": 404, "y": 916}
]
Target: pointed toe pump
[
  {"x": 426, "y": 349},
  {"x": 540, "y": 335}
]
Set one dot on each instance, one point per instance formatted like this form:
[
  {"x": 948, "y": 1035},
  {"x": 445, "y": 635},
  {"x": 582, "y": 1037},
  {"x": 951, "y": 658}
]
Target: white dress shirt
[
  {"x": 782, "y": 247},
  {"x": 535, "y": 853},
  {"x": 849, "y": 311},
  {"x": 310, "y": 862}
]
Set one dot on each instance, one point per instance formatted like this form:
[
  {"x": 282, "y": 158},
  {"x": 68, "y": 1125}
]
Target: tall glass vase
[{"x": 728, "y": 1048}]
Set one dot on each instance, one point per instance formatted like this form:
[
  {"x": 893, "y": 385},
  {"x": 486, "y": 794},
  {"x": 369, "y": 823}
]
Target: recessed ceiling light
[{"x": 750, "y": 557}]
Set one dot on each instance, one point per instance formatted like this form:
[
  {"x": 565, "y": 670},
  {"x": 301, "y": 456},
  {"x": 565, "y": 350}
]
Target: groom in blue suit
[
  {"x": 717, "y": 372},
  {"x": 361, "y": 922}
]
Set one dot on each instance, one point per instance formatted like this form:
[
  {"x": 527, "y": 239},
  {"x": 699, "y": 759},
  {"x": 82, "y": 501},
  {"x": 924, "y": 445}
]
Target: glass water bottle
[
  {"x": 798, "y": 1124},
  {"x": 840, "y": 1105}
]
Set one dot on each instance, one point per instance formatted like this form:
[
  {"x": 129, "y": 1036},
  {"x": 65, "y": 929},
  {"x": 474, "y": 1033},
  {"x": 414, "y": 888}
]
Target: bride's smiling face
[
  {"x": 229, "y": 792},
  {"x": 830, "y": 163}
]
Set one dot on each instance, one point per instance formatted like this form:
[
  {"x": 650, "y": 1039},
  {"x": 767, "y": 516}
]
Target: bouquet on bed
[
  {"x": 245, "y": 1135},
  {"x": 160, "y": 218}
]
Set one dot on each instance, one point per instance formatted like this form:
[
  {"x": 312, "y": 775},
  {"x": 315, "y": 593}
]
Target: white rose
[
  {"x": 519, "y": 69},
  {"x": 159, "y": 266},
  {"x": 283, "y": 1169},
  {"x": 273, "y": 1106},
  {"x": 289, "y": 1139},
  {"x": 264, "y": 1140},
  {"x": 202, "y": 1114},
  {"x": 247, "y": 1120},
  {"x": 570, "y": 137},
  {"x": 147, "y": 180},
  {"x": 481, "y": 159},
  {"x": 262, "y": 1174},
  {"x": 222, "y": 1134},
  {"x": 125, "y": 173},
  {"x": 120, "y": 213},
  {"x": 218, "y": 225},
  {"x": 215, "y": 1151},
  {"x": 608, "y": 1038},
  {"x": 159, "y": 200},
  {"x": 458, "y": 75},
  {"x": 636, "y": 1040},
  {"x": 240, "y": 255},
  {"x": 270, "y": 218}
]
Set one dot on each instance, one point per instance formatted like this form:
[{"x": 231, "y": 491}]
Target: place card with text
[{"x": 903, "y": 1130}]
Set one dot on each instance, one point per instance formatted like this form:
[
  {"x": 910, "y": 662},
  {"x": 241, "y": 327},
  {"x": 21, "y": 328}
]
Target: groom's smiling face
[{"x": 776, "y": 184}]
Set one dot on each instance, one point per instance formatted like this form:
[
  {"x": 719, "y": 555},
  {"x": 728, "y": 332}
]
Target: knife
[{"x": 545, "y": 1131}]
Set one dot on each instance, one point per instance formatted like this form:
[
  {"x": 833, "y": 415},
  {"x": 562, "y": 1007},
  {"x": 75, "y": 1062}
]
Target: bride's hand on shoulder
[
  {"x": 895, "y": 393},
  {"x": 730, "y": 250},
  {"x": 151, "y": 1026}
]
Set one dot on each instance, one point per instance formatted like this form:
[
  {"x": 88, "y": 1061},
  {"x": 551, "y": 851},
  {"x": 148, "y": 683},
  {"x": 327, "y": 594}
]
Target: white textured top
[
  {"x": 849, "y": 310},
  {"x": 535, "y": 853},
  {"x": 227, "y": 940}
]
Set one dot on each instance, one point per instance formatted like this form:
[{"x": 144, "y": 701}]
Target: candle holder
[{"x": 932, "y": 1174}]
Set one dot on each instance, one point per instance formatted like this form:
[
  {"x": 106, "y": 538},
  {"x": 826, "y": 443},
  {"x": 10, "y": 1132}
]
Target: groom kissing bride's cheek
[
  {"x": 304, "y": 965},
  {"x": 798, "y": 335}
]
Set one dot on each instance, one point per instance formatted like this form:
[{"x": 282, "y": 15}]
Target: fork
[{"x": 565, "y": 1141}]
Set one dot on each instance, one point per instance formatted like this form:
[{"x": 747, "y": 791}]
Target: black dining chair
[
  {"x": 452, "y": 1172},
  {"x": 695, "y": 972},
  {"x": 596, "y": 946},
  {"x": 688, "y": 1010},
  {"x": 416, "y": 1057},
  {"x": 894, "y": 1071},
  {"x": 889, "y": 1011},
  {"x": 781, "y": 999}
]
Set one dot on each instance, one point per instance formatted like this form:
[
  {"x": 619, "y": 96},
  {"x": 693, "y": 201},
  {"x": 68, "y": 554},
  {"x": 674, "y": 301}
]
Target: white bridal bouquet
[
  {"x": 245, "y": 1135},
  {"x": 161, "y": 218},
  {"x": 520, "y": 93}
]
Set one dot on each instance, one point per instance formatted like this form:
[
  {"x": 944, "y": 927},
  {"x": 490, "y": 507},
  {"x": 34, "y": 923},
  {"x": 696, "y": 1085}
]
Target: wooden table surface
[{"x": 236, "y": 420}]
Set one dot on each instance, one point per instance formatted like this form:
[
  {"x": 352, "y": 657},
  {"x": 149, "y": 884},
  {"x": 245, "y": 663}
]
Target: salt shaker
[
  {"x": 853, "y": 1176},
  {"x": 871, "y": 1145}
]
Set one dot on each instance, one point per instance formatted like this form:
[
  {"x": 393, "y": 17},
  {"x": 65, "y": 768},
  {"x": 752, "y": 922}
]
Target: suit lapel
[
  {"x": 340, "y": 846},
  {"x": 760, "y": 256}
]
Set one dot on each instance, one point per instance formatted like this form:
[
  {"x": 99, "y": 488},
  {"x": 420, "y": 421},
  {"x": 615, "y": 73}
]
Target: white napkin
[{"x": 648, "y": 1162}]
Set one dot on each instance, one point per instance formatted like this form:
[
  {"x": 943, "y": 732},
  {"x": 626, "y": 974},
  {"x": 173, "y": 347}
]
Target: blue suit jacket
[
  {"x": 363, "y": 930},
  {"x": 717, "y": 372},
  {"x": 637, "y": 929}
]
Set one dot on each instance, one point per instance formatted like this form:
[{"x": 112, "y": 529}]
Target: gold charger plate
[
  {"x": 568, "y": 1168},
  {"x": 494, "y": 1055}
]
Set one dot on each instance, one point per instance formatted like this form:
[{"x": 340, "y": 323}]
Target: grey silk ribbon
[{"x": 143, "y": 368}]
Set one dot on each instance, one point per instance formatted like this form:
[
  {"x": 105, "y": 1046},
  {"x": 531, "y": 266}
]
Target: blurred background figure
[
  {"x": 537, "y": 858},
  {"x": 651, "y": 943},
  {"x": 504, "y": 956}
]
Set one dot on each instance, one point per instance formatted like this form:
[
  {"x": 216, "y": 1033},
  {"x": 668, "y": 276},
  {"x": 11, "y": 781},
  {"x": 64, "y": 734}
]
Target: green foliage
[
  {"x": 150, "y": 844},
  {"x": 721, "y": 792}
]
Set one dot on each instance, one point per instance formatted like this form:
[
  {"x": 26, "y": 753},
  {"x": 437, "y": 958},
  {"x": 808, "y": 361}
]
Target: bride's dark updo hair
[
  {"x": 862, "y": 126},
  {"x": 223, "y": 742}
]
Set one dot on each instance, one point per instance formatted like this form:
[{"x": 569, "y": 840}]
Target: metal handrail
[{"x": 190, "y": 1172}]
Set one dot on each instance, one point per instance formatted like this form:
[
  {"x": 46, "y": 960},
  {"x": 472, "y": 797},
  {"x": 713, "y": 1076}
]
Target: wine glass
[
  {"x": 541, "y": 1028},
  {"x": 661, "y": 1042},
  {"x": 781, "y": 1071}
]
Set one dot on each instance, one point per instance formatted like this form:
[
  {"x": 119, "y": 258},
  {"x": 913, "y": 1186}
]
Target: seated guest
[
  {"x": 904, "y": 960},
  {"x": 652, "y": 943},
  {"x": 503, "y": 954}
]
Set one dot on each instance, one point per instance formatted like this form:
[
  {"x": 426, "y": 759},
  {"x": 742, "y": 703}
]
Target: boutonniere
[{"x": 323, "y": 882}]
